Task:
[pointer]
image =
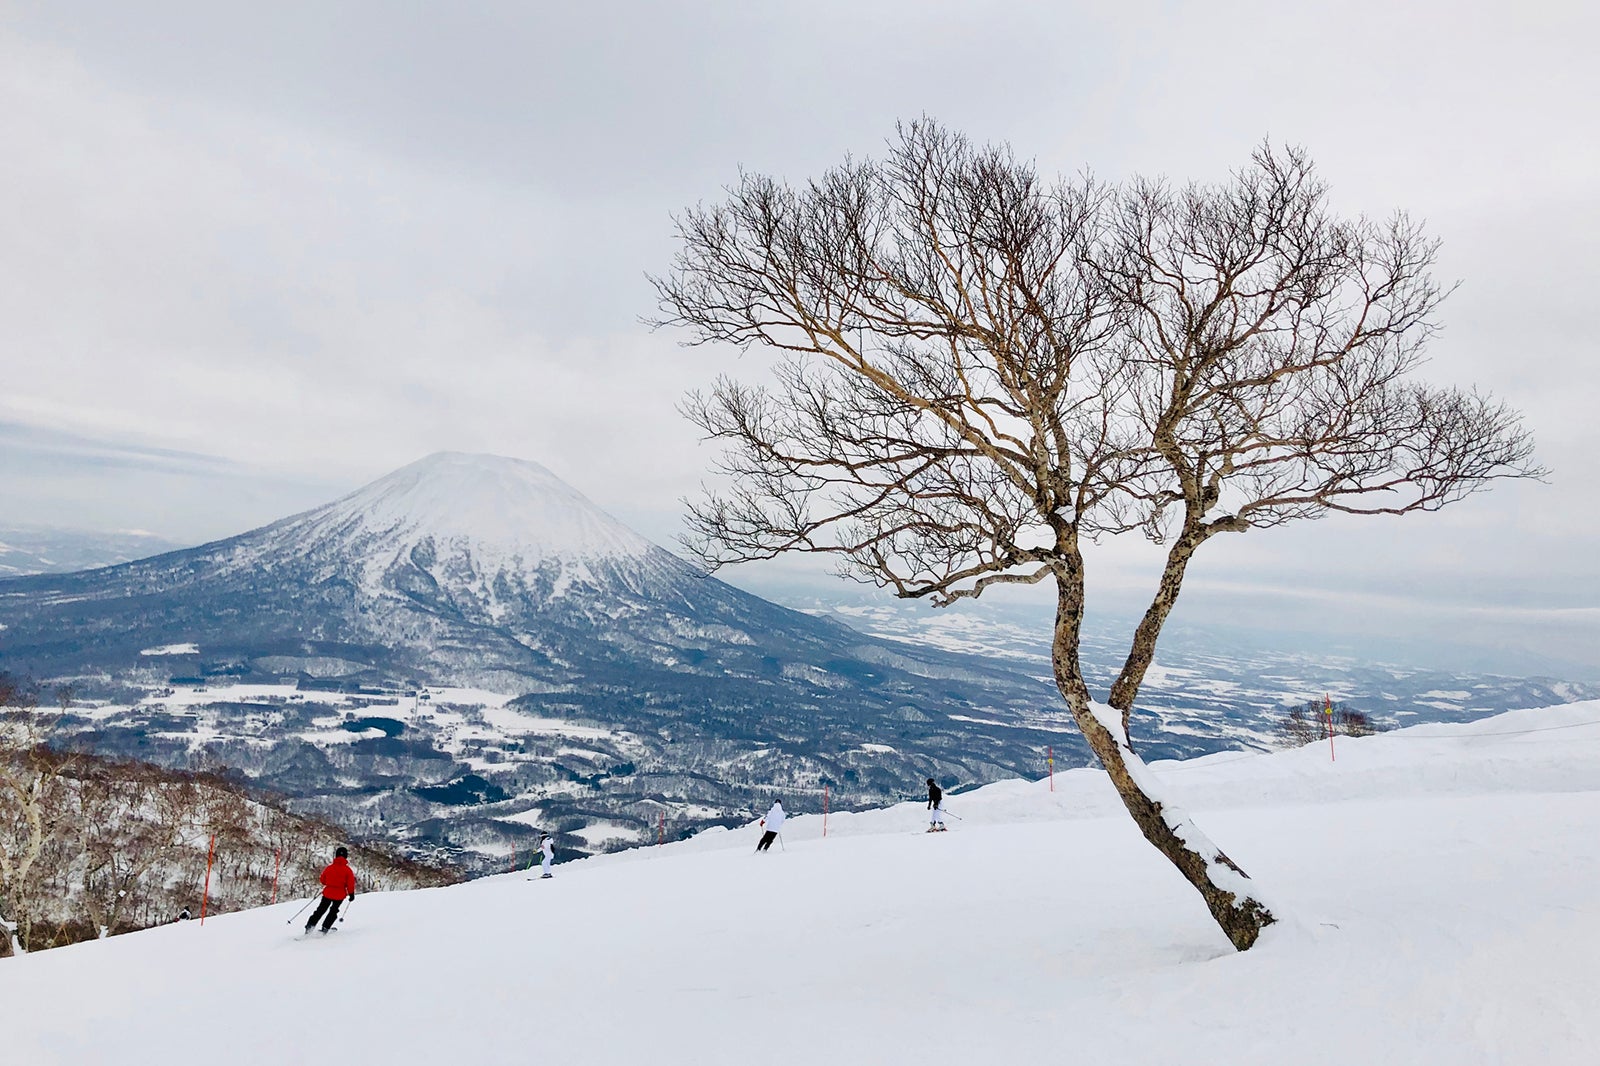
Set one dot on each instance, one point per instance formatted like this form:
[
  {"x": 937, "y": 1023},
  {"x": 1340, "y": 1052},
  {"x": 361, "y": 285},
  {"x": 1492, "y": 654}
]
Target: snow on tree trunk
[{"x": 1227, "y": 890}]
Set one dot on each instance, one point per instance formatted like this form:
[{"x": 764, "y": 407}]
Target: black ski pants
[
  {"x": 329, "y": 905},
  {"x": 766, "y": 840}
]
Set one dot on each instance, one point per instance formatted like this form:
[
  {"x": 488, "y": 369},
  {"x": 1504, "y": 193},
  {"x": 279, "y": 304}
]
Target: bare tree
[
  {"x": 980, "y": 370},
  {"x": 30, "y": 808},
  {"x": 1313, "y": 720},
  {"x": 1299, "y": 725},
  {"x": 123, "y": 839}
]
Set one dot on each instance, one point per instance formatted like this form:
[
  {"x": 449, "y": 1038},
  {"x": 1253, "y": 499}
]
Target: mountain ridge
[
  {"x": 443, "y": 563},
  {"x": 702, "y": 695}
]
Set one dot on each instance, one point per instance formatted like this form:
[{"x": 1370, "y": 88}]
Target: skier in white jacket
[{"x": 772, "y": 823}]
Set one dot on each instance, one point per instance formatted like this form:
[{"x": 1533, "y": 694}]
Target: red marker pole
[
  {"x": 205, "y": 893},
  {"x": 1050, "y": 761},
  {"x": 277, "y": 864},
  {"x": 661, "y": 829},
  {"x": 824, "y": 810},
  {"x": 1327, "y": 712}
]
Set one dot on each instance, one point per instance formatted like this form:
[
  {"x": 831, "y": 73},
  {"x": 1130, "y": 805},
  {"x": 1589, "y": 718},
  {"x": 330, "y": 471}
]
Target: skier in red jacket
[{"x": 338, "y": 885}]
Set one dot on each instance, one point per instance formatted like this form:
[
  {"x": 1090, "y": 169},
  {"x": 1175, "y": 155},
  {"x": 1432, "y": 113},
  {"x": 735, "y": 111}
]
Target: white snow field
[{"x": 1444, "y": 880}]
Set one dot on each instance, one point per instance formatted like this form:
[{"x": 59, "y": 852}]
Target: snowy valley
[{"x": 1438, "y": 883}]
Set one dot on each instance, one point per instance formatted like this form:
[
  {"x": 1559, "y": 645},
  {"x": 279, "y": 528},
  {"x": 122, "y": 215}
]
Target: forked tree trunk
[{"x": 1226, "y": 888}]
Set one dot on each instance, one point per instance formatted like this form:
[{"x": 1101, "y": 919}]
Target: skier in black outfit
[{"x": 935, "y": 814}]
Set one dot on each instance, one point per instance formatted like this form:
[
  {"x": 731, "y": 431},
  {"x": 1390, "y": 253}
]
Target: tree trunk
[
  {"x": 9, "y": 945},
  {"x": 1225, "y": 888},
  {"x": 1143, "y": 652}
]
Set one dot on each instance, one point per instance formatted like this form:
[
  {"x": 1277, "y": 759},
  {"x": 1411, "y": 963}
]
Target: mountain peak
[{"x": 512, "y": 509}]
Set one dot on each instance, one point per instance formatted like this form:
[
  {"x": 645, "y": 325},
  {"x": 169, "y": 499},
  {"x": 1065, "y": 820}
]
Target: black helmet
[
  {"x": 930, "y": 780},
  {"x": 341, "y": 852}
]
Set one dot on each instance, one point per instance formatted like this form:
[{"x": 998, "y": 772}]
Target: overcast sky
[{"x": 254, "y": 255}]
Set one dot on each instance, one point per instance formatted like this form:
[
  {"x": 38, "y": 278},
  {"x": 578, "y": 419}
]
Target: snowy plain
[{"x": 1442, "y": 882}]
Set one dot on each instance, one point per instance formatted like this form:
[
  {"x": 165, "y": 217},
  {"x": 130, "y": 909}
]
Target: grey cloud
[
  {"x": 55, "y": 479},
  {"x": 43, "y": 448},
  {"x": 257, "y": 255}
]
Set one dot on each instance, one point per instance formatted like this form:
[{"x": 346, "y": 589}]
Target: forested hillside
[{"x": 91, "y": 846}]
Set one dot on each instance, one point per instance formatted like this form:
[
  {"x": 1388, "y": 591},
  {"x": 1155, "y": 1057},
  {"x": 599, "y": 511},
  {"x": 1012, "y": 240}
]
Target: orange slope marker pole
[
  {"x": 277, "y": 864},
  {"x": 205, "y": 893},
  {"x": 1327, "y": 713},
  {"x": 824, "y": 810},
  {"x": 1050, "y": 761}
]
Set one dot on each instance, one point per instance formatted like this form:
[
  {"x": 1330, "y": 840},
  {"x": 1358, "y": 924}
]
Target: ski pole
[
  {"x": 351, "y": 902},
  {"x": 302, "y": 909},
  {"x": 952, "y": 814}
]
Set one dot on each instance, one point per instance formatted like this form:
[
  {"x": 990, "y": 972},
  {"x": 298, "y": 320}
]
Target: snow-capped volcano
[
  {"x": 456, "y": 569},
  {"x": 486, "y": 532},
  {"x": 509, "y": 510}
]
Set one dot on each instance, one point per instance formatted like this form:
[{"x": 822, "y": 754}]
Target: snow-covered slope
[{"x": 1441, "y": 881}]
